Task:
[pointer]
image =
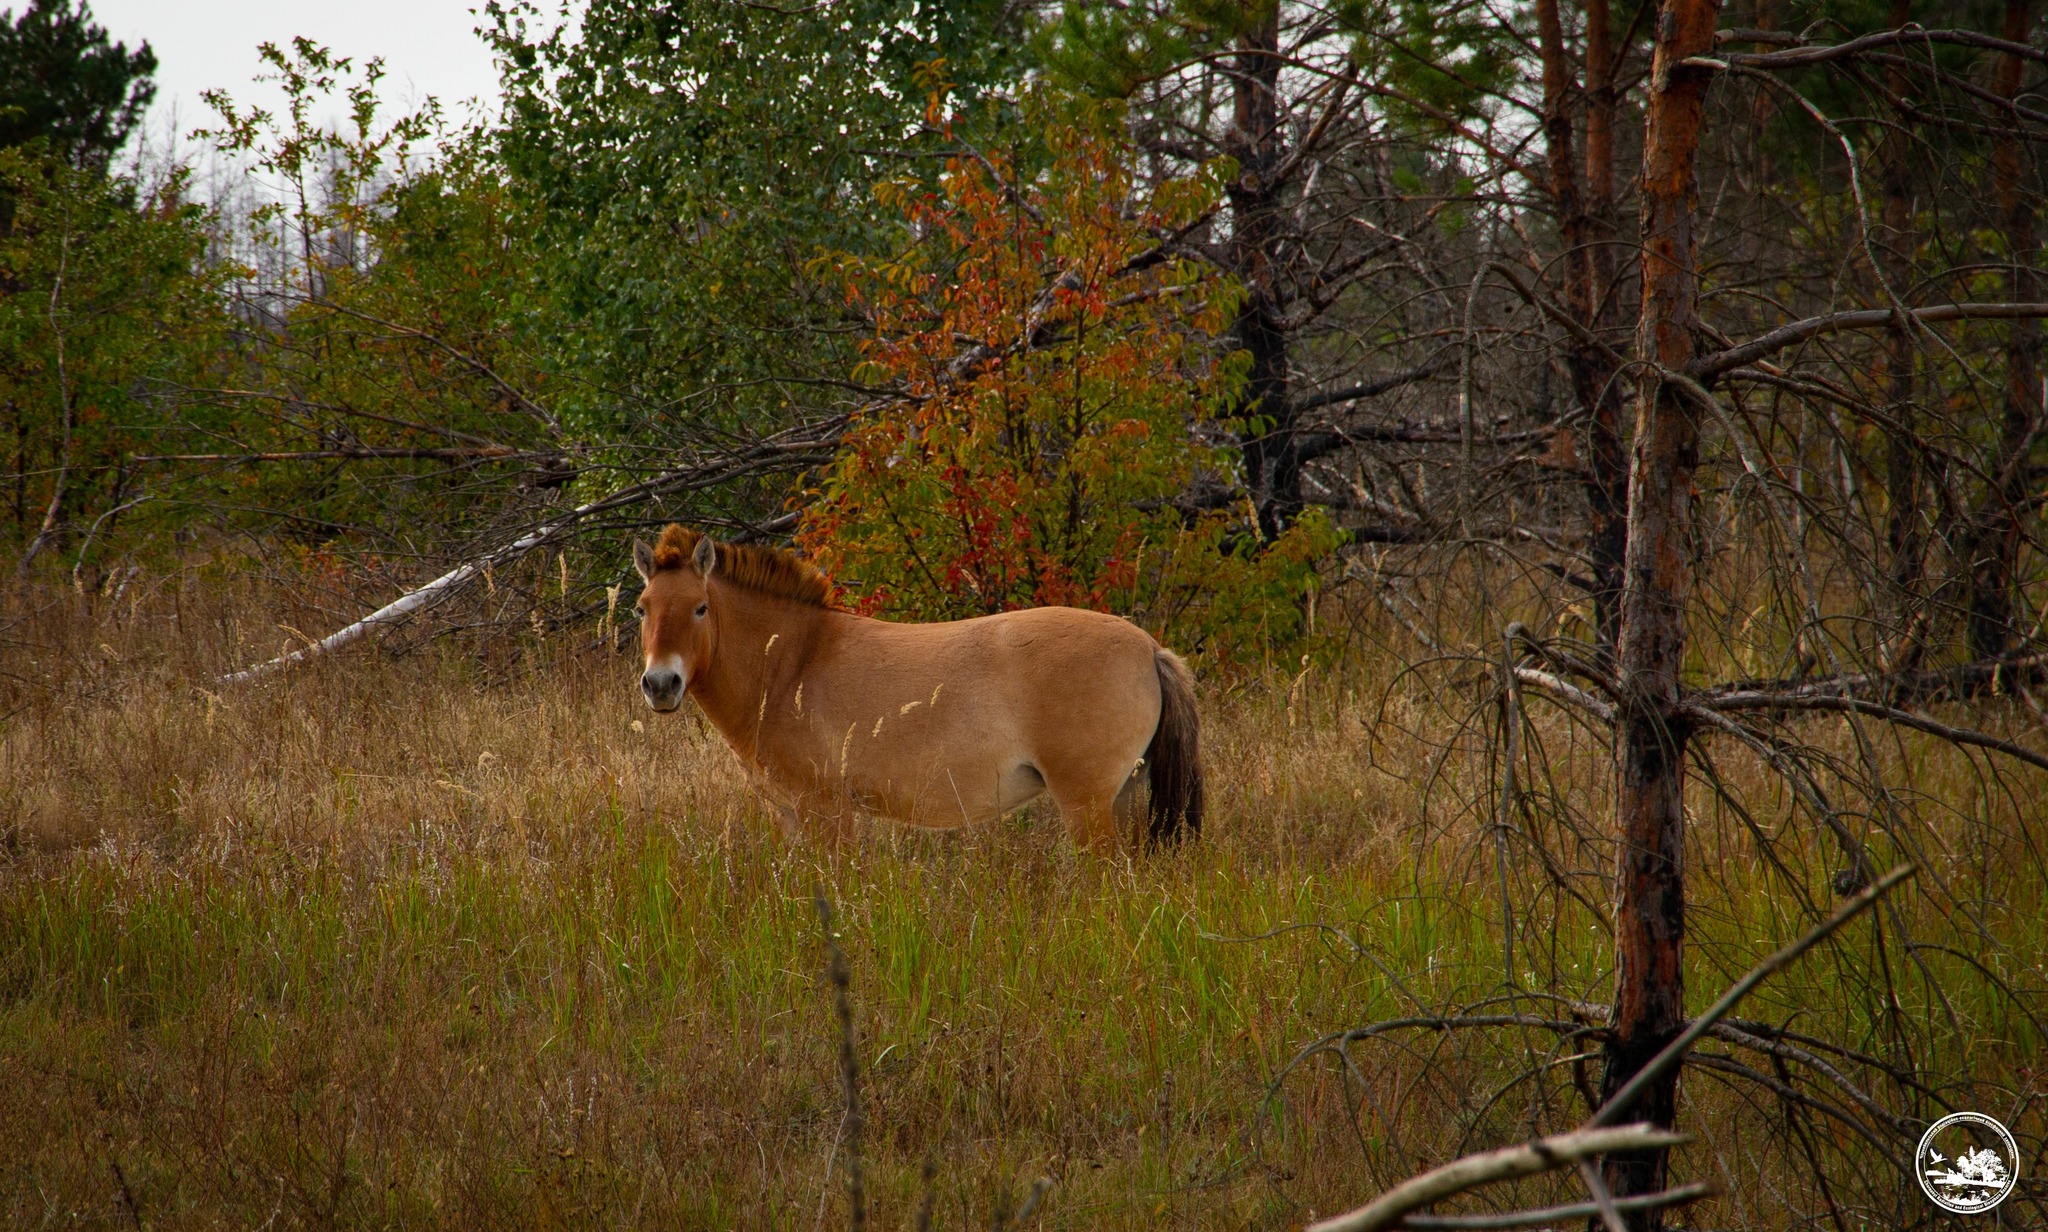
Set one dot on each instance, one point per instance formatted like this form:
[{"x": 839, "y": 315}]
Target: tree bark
[
  {"x": 1995, "y": 555},
  {"x": 1652, "y": 727},
  {"x": 1271, "y": 464}
]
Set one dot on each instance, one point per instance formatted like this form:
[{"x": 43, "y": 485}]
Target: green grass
[{"x": 401, "y": 945}]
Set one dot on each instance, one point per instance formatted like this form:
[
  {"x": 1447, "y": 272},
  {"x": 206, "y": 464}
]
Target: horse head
[{"x": 677, "y": 629}]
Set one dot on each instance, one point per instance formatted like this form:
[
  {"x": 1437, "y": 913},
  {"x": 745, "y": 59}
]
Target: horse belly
[
  {"x": 934, "y": 766},
  {"x": 951, "y": 785}
]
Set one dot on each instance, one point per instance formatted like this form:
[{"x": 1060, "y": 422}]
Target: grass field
[{"x": 473, "y": 940}]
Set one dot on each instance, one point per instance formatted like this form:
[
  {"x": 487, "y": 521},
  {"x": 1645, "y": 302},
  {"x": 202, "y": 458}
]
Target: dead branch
[
  {"x": 1803, "y": 57},
  {"x": 361, "y": 453},
  {"x": 1590, "y": 1140},
  {"x": 1735, "y": 1035},
  {"x": 1559, "y": 688},
  {"x": 1959, "y": 681},
  {"x": 797, "y": 442},
  {"x": 1504, "y": 1164},
  {"x": 1790, "y": 1094},
  {"x": 1371, "y": 389},
  {"x": 1569, "y": 1213},
  {"x": 1707, "y": 367},
  {"x": 1891, "y": 714}
]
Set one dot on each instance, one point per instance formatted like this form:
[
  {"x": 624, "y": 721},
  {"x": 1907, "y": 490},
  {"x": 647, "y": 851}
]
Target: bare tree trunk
[
  {"x": 1649, "y": 1000},
  {"x": 1272, "y": 466},
  {"x": 1606, "y": 458},
  {"x": 1995, "y": 555},
  {"x": 1905, "y": 481},
  {"x": 1586, "y": 227}
]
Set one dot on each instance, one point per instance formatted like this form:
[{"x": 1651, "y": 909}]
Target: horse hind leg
[
  {"x": 1101, "y": 817},
  {"x": 1091, "y": 823}
]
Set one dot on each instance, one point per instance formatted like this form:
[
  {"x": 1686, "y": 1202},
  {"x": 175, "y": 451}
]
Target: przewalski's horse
[{"x": 939, "y": 725}]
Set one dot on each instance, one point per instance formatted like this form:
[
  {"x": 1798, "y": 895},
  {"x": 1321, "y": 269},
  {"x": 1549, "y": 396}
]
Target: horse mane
[{"x": 771, "y": 571}]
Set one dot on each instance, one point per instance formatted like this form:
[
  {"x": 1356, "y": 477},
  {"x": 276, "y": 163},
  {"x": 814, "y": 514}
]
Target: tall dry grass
[{"x": 465, "y": 937}]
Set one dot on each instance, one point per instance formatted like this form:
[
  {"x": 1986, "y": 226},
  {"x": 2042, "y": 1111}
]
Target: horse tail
[{"x": 1175, "y": 756}]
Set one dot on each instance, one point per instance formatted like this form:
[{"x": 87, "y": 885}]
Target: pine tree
[{"x": 62, "y": 80}]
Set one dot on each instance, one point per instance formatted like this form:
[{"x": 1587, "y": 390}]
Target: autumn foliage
[{"x": 1059, "y": 400}]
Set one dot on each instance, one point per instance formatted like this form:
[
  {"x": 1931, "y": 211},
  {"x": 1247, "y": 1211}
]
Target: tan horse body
[{"x": 939, "y": 725}]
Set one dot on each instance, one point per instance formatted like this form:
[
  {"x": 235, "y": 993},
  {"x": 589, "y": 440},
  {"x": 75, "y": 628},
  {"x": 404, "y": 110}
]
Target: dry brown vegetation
[{"x": 464, "y": 937}]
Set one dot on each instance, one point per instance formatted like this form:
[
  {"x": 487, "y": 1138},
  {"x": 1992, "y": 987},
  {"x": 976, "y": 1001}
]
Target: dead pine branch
[
  {"x": 1502, "y": 1164},
  {"x": 1570, "y": 1212},
  {"x": 796, "y": 444}
]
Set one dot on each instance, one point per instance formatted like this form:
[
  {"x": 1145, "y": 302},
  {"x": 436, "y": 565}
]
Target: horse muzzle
[{"x": 662, "y": 687}]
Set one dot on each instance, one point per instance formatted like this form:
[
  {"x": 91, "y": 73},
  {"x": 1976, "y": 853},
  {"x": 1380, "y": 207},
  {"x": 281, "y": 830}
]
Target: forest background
[{"x": 1618, "y": 424}]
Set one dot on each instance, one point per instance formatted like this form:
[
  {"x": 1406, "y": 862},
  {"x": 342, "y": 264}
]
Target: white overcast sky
[{"x": 428, "y": 46}]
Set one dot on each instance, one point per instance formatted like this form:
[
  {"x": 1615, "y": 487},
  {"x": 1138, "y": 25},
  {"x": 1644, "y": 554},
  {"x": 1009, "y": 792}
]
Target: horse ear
[
  {"x": 643, "y": 560},
  {"x": 706, "y": 556}
]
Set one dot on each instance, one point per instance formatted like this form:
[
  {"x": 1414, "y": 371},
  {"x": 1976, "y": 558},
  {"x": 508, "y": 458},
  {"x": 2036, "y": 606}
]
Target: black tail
[{"x": 1175, "y": 756}]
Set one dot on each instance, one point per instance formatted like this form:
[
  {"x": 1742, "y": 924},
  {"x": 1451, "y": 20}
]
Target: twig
[
  {"x": 85, "y": 546},
  {"x": 356, "y": 453},
  {"x": 1511, "y": 728},
  {"x": 128, "y": 1201},
  {"x": 54, "y": 514},
  {"x": 929, "y": 1176}
]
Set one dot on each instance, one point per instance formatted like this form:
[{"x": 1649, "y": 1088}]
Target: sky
[{"x": 429, "y": 47}]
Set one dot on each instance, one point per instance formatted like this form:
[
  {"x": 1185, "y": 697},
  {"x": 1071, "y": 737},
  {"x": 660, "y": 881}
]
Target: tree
[
  {"x": 107, "y": 305},
  {"x": 1653, "y": 728},
  {"x": 388, "y": 391},
  {"x": 1583, "y": 205},
  {"x": 1285, "y": 92},
  {"x": 61, "y": 80},
  {"x": 683, "y": 165},
  {"x": 1995, "y": 547}
]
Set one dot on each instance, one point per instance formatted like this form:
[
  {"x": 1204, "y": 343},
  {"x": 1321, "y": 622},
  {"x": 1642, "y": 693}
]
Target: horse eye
[
  {"x": 701, "y": 609},
  {"x": 640, "y": 612}
]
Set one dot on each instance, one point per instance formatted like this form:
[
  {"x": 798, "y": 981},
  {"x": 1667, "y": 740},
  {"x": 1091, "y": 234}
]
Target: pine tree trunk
[
  {"x": 1649, "y": 1001},
  {"x": 1586, "y": 227}
]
